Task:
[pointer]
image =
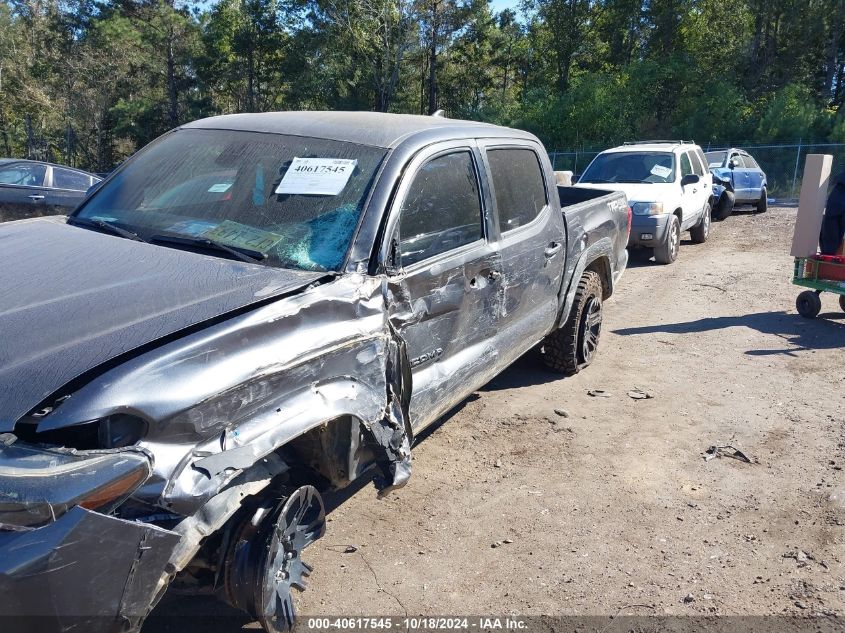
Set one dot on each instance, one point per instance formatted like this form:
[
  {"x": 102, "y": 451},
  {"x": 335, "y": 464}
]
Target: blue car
[{"x": 737, "y": 180}]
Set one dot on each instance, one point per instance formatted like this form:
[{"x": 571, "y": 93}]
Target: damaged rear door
[
  {"x": 446, "y": 296},
  {"x": 532, "y": 242}
]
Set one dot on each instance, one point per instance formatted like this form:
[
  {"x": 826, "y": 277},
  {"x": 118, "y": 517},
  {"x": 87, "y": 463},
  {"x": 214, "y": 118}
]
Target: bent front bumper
[
  {"x": 86, "y": 571},
  {"x": 63, "y": 566}
]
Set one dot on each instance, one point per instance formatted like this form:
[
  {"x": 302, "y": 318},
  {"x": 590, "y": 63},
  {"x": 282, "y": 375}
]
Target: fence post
[{"x": 797, "y": 160}]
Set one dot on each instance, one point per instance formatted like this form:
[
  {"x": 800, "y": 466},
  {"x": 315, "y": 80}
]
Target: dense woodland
[{"x": 87, "y": 82}]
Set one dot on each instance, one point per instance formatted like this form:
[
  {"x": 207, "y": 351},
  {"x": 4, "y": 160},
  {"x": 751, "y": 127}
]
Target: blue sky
[{"x": 498, "y": 5}]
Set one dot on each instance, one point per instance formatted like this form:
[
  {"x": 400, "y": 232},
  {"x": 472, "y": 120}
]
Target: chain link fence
[{"x": 783, "y": 164}]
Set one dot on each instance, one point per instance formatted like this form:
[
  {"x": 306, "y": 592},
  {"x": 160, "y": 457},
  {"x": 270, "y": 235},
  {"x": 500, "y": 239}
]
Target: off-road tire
[
  {"x": 562, "y": 351},
  {"x": 763, "y": 202},
  {"x": 808, "y": 304},
  {"x": 701, "y": 231},
  {"x": 667, "y": 251}
]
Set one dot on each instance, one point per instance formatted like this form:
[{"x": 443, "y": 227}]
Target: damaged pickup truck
[{"x": 255, "y": 309}]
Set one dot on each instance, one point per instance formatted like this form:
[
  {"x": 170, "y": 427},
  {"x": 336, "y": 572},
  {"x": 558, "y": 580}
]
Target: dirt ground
[{"x": 535, "y": 497}]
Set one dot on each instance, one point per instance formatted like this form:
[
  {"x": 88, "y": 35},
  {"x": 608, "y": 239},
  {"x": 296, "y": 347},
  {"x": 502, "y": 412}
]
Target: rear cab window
[
  {"x": 442, "y": 208},
  {"x": 518, "y": 184}
]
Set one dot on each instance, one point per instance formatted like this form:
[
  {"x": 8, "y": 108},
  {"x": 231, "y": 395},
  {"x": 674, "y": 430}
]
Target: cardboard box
[{"x": 808, "y": 222}]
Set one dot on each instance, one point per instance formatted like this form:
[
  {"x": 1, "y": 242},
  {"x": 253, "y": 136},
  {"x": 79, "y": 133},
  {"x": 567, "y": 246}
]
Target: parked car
[
  {"x": 736, "y": 171},
  {"x": 668, "y": 187},
  {"x": 30, "y": 188},
  {"x": 254, "y": 309}
]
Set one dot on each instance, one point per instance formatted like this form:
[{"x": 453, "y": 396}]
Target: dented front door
[{"x": 445, "y": 302}]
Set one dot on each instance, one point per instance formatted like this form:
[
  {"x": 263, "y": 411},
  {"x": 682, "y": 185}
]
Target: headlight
[
  {"x": 647, "y": 208},
  {"x": 115, "y": 431},
  {"x": 120, "y": 431}
]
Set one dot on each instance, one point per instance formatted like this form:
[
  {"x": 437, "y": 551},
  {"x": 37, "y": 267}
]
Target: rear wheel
[
  {"x": 809, "y": 304},
  {"x": 701, "y": 231},
  {"x": 763, "y": 202},
  {"x": 573, "y": 347},
  {"x": 842, "y": 302},
  {"x": 667, "y": 251}
]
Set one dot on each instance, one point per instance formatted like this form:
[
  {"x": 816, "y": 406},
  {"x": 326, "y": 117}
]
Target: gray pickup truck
[{"x": 255, "y": 309}]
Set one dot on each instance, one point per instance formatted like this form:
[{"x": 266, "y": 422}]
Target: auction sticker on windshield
[
  {"x": 237, "y": 234},
  {"x": 661, "y": 171},
  {"x": 317, "y": 176}
]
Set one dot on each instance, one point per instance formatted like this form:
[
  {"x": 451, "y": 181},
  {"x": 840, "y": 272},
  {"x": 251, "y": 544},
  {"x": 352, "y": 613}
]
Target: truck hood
[
  {"x": 635, "y": 192},
  {"x": 73, "y": 299}
]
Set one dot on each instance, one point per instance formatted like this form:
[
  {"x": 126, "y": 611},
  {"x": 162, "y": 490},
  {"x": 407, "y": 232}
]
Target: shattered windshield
[
  {"x": 290, "y": 201},
  {"x": 631, "y": 167}
]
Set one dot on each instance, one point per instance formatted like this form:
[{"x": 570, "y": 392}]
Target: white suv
[{"x": 668, "y": 187}]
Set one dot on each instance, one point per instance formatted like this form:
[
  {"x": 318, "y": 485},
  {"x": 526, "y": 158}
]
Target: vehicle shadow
[
  {"x": 798, "y": 333},
  {"x": 527, "y": 370},
  {"x": 641, "y": 257}
]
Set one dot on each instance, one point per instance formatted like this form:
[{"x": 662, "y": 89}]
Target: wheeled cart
[{"x": 821, "y": 273}]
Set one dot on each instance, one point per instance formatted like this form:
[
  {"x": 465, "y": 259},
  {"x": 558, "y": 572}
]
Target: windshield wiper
[
  {"x": 243, "y": 254},
  {"x": 102, "y": 225},
  {"x": 632, "y": 180}
]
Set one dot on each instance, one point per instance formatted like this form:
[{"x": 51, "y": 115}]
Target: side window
[
  {"x": 442, "y": 208},
  {"x": 703, "y": 160},
  {"x": 738, "y": 162},
  {"x": 23, "y": 174},
  {"x": 750, "y": 162},
  {"x": 518, "y": 182},
  {"x": 686, "y": 167},
  {"x": 519, "y": 186},
  {"x": 73, "y": 180},
  {"x": 697, "y": 167}
]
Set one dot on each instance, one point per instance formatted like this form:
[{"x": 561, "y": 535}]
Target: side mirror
[
  {"x": 689, "y": 179},
  {"x": 731, "y": 164}
]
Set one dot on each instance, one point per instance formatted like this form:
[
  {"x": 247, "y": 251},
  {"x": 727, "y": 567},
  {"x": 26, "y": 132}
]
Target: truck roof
[{"x": 376, "y": 129}]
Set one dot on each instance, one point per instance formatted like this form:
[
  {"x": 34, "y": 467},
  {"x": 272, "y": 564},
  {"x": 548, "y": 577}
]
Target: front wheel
[
  {"x": 573, "y": 347},
  {"x": 842, "y": 302},
  {"x": 667, "y": 251},
  {"x": 701, "y": 231},
  {"x": 724, "y": 207},
  {"x": 763, "y": 202},
  {"x": 264, "y": 562},
  {"x": 809, "y": 304}
]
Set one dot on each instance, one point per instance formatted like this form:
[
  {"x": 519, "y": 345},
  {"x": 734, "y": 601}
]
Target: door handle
[
  {"x": 552, "y": 249},
  {"x": 694, "y": 190},
  {"x": 35, "y": 197}
]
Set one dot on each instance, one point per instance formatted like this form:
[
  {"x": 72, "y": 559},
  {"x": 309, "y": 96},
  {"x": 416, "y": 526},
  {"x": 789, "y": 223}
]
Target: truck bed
[{"x": 595, "y": 219}]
